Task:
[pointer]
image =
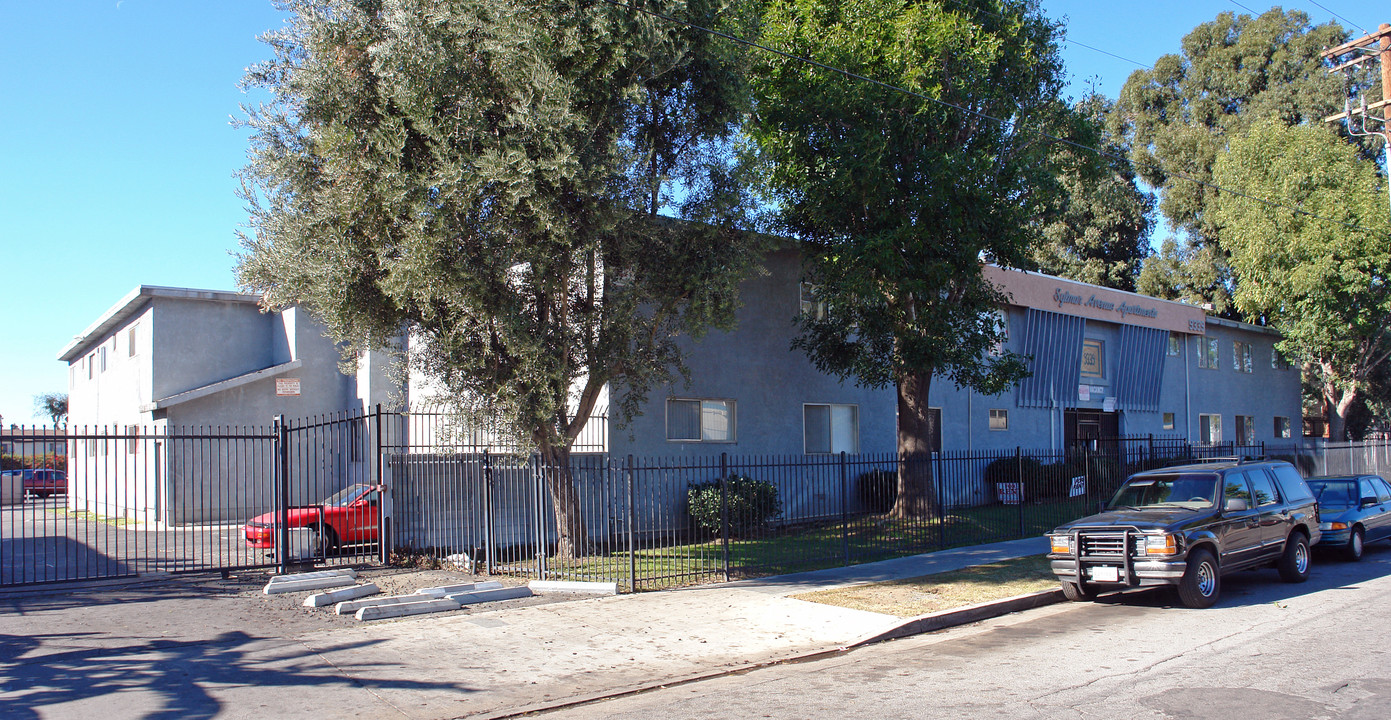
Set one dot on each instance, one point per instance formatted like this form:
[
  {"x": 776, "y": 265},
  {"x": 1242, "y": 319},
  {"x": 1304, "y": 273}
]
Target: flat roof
[{"x": 134, "y": 302}]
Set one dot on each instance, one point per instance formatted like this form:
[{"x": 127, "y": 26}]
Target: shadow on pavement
[{"x": 171, "y": 679}]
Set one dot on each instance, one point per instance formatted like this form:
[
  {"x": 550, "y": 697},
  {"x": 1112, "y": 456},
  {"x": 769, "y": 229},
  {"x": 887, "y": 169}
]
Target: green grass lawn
[{"x": 813, "y": 547}]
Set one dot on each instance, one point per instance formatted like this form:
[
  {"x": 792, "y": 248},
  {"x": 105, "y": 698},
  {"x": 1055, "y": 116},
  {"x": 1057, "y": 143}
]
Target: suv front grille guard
[{"x": 1109, "y": 547}]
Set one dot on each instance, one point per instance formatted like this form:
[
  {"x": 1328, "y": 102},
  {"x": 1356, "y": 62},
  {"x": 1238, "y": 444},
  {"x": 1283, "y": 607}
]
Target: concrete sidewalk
[{"x": 491, "y": 664}]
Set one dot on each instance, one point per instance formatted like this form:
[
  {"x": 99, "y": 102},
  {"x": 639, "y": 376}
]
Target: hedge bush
[
  {"x": 877, "y": 490},
  {"x": 753, "y": 504}
]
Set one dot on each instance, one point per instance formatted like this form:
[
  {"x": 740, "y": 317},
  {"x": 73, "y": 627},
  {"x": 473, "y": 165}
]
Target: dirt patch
[{"x": 910, "y": 597}]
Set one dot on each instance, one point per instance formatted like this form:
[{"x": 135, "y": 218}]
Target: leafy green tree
[
  {"x": 1316, "y": 266},
  {"x": 1177, "y": 117},
  {"x": 898, "y": 199},
  {"x": 1099, "y": 232},
  {"x": 54, "y": 405},
  {"x": 485, "y": 177}
]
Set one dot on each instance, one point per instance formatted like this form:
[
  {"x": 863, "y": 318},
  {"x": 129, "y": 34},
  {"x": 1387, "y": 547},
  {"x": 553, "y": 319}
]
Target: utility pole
[{"x": 1374, "y": 45}]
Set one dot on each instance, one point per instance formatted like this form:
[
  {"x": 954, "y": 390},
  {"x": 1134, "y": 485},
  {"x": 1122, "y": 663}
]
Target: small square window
[
  {"x": 830, "y": 429},
  {"x": 700, "y": 420},
  {"x": 1245, "y": 429},
  {"x": 1282, "y": 427},
  {"x": 1278, "y": 361},
  {"x": 1175, "y": 344},
  {"x": 999, "y": 419},
  {"x": 1168, "y": 421}
]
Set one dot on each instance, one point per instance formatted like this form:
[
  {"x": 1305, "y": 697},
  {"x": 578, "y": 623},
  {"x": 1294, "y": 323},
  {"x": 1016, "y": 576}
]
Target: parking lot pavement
[{"x": 203, "y": 648}]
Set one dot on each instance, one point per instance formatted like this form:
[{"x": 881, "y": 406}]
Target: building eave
[{"x": 220, "y": 386}]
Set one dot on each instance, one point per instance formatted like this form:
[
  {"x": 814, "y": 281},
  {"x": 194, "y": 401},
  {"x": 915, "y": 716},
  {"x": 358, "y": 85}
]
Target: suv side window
[
  {"x": 1234, "y": 487},
  {"x": 1292, "y": 486},
  {"x": 1262, "y": 487}
]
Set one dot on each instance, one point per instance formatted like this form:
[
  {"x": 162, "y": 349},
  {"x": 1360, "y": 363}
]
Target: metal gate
[{"x": 109, "y": 502}]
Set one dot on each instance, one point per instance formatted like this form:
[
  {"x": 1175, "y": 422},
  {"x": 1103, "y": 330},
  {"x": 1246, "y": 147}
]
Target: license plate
[{"x": 1106, "y": 573}]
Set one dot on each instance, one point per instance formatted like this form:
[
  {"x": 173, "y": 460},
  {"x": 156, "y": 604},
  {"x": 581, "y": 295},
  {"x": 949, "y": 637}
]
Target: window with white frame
[
  {"x": 1175, "y": 344},
  {"x": 1282, "y": 427},
  {"x": 1209, "y": 428},
  {"x": 811, "y": 303},
  {"x": 1241, "y": 356},
  {"x": 690, "y": 420},
  {"x": 1245, "y": 429},
  {"x": 1207, "y": 353},
  {"x": 829, "y": 428},
  {"x": 999, "y": 419}
]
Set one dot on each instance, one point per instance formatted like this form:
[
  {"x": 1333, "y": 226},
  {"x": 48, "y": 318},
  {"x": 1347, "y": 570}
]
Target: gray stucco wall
[{"x": 755, "y": 366}]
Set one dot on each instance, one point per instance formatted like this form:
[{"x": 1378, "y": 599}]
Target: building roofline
[
  {"x": 133, "y": 302},
  {"x": 1214, "y": 320}
]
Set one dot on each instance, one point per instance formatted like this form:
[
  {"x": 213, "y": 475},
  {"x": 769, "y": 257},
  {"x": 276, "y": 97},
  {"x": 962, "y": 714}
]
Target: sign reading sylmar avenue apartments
[{"x": 1045, "y": 292}]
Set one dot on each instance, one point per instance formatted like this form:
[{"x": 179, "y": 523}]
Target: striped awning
[
  {"x": 1140, "y": 368},
  {"x": 1054, "y": 341}
]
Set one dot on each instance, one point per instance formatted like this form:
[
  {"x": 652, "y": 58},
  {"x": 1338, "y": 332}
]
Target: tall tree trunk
[
  {"x": 916, "y": 498},
  {"x": 573, "y": 538},
  {"x": 1339, "y": 403}
]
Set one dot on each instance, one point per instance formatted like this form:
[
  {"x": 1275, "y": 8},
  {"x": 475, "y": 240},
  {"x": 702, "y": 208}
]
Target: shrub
[
  {"x": 752, "y": 505},
  {"x": 1010, "y": 469},
  {"x": 877, "y": 490}
]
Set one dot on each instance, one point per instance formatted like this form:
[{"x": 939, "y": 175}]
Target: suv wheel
[
  {"x": 1294, "y": 561},
  {"x": 1076, "y": 592},
  {"x": 1201, "y": 582},
  {"x": 1353, "y": 550}
]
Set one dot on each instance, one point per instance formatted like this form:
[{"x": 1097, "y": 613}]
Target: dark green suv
[{"x": 1186, "y": 526}]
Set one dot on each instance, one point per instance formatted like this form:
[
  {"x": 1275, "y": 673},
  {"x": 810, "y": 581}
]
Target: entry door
[{"x": 1086, "y": 428}]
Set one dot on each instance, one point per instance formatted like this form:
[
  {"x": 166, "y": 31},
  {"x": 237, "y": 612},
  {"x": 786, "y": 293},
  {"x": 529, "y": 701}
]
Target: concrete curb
[
  {"x": 333, "y": 597},
  {"x": 443, "y": 590},
  {"x": 910, "y": 626},
  {"x": 962, "y": 616},
  {"x": 574, "y": 586},
  {"x": 420, "y": 607}
]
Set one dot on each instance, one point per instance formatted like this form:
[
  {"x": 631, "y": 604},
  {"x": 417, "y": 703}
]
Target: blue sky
[{"x": 118, "y": 155}]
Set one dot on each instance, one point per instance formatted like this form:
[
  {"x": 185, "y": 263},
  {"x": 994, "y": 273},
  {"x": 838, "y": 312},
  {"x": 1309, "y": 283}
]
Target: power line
[
  {"x": 984, "y": 116},
  {"x": 1340, "y": 17},
  {"x": 1105, "y": 52},
  {"x": 1243, "y": 7}
]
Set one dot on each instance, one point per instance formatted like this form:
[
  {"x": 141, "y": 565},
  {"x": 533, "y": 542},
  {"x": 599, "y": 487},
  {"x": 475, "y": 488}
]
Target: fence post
[
  {"x": 488, "y": 539},
  {"x": 724, "y": 511},
  {"x": 937, "y": 479},
  {"x": 632, "y": 531},
  {"x": 1019, "y": 475},
  {"x": 538, "y": 470},
  {"x": 282, "y": 510},
  {"x": 844, "y": 511},
  {"x": 386, "y": 511}
]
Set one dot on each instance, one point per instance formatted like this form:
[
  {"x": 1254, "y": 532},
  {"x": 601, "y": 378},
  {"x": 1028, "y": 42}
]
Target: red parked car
[{"x": 348, "y": 517}]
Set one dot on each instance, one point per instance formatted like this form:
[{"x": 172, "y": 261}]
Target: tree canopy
[
  {"x": 1178, "y": 117},
  {"x": 1098, "y": 230},
  {"x": 898, "y": 198},
  {"x": 485, "y": 176},
  {"x": 54, "y": 405},
  {"x": 1317, "y": 264}
]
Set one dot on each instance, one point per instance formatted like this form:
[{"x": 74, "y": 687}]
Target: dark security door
[{"x": 1090, "y": 429}]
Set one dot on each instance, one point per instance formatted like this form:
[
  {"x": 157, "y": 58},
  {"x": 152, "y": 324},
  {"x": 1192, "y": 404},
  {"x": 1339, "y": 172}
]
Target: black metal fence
[
  {"x": 381, "y": 486},
  {"x": 657, "y": 522}
]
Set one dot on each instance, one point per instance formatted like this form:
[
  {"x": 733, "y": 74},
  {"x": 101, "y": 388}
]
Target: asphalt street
[{"x": 1268, "y": 650}]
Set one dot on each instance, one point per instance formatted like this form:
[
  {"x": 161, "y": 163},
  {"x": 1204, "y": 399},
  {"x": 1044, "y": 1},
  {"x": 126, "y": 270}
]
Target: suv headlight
[
  {"x": 1161, "y": 545},
  {"x": 1060, "y": 544}
]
